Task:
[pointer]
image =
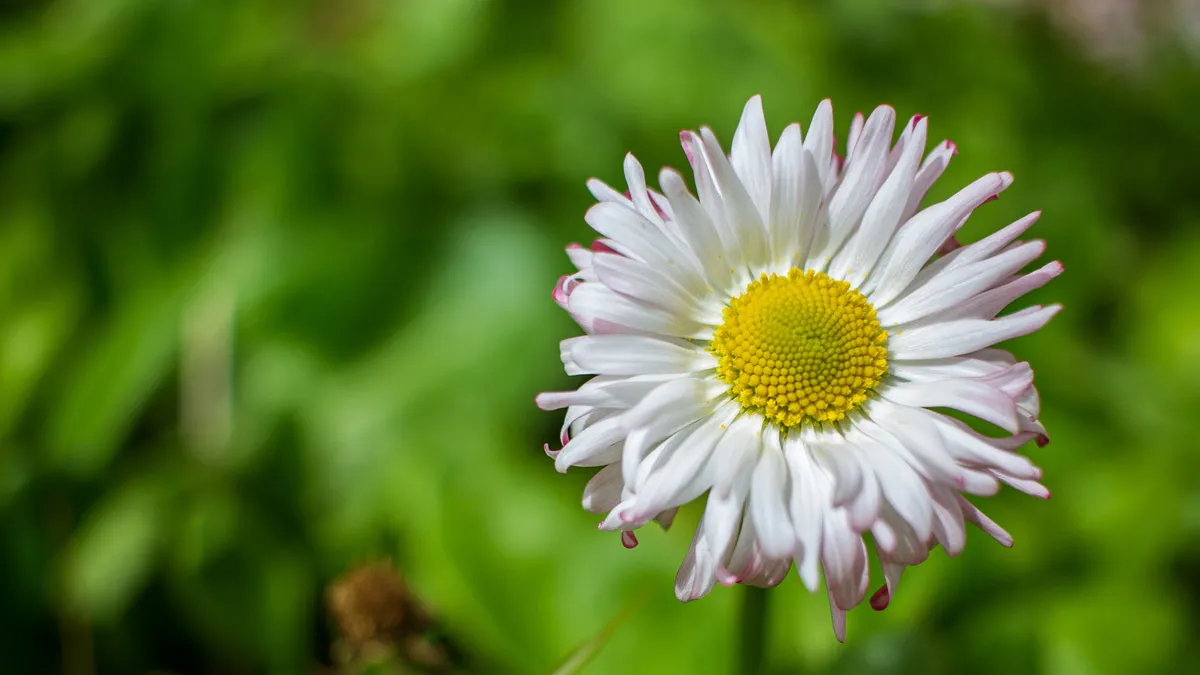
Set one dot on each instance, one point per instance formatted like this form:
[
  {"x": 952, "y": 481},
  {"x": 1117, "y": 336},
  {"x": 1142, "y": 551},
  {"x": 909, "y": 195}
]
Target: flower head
[{"x": 779, "y": 342}]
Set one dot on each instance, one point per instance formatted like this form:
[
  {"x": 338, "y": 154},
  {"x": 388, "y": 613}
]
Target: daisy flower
[{"x": 782, "y": 341}]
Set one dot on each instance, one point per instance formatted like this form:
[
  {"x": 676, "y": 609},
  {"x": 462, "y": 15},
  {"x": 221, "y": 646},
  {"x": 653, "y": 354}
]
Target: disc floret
[{"x": 801, "y": 348}]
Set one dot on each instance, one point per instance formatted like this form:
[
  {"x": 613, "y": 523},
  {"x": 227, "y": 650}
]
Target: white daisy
[{"x": 781, "y": 343}]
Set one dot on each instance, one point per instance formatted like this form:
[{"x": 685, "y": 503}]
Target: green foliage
[{"x": 274, "y": 301}]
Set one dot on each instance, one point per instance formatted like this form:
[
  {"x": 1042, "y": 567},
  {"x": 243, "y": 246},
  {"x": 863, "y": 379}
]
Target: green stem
[{"x": 753, "y": 632}]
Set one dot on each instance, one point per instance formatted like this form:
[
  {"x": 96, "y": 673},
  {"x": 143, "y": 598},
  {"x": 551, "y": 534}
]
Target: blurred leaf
[
  {"x": 123, "y": 364},
  {"x": 38, "y": 309},
  {"x": 206, "y": 528},
  {"x": 109, "y": 559}
]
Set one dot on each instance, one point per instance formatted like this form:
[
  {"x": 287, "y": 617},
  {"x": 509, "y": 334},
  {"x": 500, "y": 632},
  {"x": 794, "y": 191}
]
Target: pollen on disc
[{"x": 802, "y": 348}]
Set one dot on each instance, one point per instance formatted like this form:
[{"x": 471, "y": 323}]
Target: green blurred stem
[{"x": 753, "y": 632}]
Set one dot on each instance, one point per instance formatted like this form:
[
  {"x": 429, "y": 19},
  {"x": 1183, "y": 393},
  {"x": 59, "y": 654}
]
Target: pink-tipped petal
[
  {"x": 839, "y": 620},
  {"x": 881, "y": 599},
  {"x": 727, "y": 578},
  {"x": 599, "y": 246}
]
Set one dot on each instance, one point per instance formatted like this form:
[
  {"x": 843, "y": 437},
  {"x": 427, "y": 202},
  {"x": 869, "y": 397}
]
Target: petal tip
[
  {"x": 727, "y": 578},
  {"x": 881, "y": 599}
]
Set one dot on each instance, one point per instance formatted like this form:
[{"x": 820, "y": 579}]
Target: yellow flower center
[{"x": 801, "y": 348}]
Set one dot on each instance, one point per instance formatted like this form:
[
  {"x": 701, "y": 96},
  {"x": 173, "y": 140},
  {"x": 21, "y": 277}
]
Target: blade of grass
[{"x": 592, "y": 646}]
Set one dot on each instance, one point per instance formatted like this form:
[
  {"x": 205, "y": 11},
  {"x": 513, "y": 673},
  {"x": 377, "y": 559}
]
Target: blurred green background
[{"x": 275, "y": 302}]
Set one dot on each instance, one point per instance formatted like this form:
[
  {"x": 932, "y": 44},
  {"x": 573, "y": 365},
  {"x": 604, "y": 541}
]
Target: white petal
[
  {"x": 948, "y": 522},
  {"x": 683, "y": 399},
  {"x": 580, "y": 257},
  {"x": 647, "y": 242},
  {"x": 596, "y": 439},
  {"x": 839, "y": 619},
  {"x": 665, "y": 518},
  {"x": 970, "y": 396},
  {"x": 736, "y": 453},
  {"x": 892, "y": 572},
  {"x": 901, "y": 486},
  {"x": 743, "y": 215},
  {"x": 1030, "y": 406},
  {"x": 768, "y": 572},
  {"x": 1014, "y": 380},
  {"x": 714, "y": 205},
  {"x": 914, "y": 435},
  {"x": 905, "y": 141},
  {"x": 750, "y": 155},
  {"x": 979, "y": 250},
  {"x": 989, "y": 304},
  {"x": 864, "y": 510},
  {"x": 794, "y": 190},
  {"x": 861, "y": 253},
  {"x": 979, "y": 483},
  {"x": 921, "y": 236},
  {"x": 932, "y": 169},
  {"x": 642, "y": 282},
  {"x": 961, "y": 336},
  {"x": 768, "y": 499},
  {"x": 603, "y": 193},
  {"x": 690, "y": 582},
  {"x": 980, "y": 520},
  {"x": 664, "y": 209},
  {"x": 819, "y": 141},
  {"x": 676, "y": 477},
  {"x": 579, "y": 417},
  {"x": 635, "y": 176},
  {"x": 602, "y": 392},
  {"x": 859, "y": 185},
  {"x": 746, "y": 558},
  {"x": 599, "y": 309},
  {"x": 631, "y": 513},
  {"x": 713, "y": 543},
  {"x": 809, "y": 500},
  {"x": 854, "y": 133},
  {"x": 1029, "y": 487},
  {"x": 885, "y": 537},
  {"x": 993, "y": 243},
  {"x": 844, "y": 469},
  {"x": 909, "y": 547},
  {"x": 977, "y": 364},
  {"x": 603, "y": 491},
  {"x": 632, "y": 355},
  {"x": 844, "y": 558},
  {"x": 698, "y": 230},
  {"x": 954, "y": 286},
  {"x": 922, "y": 452},
  {"x": 663, "y": 412}
]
